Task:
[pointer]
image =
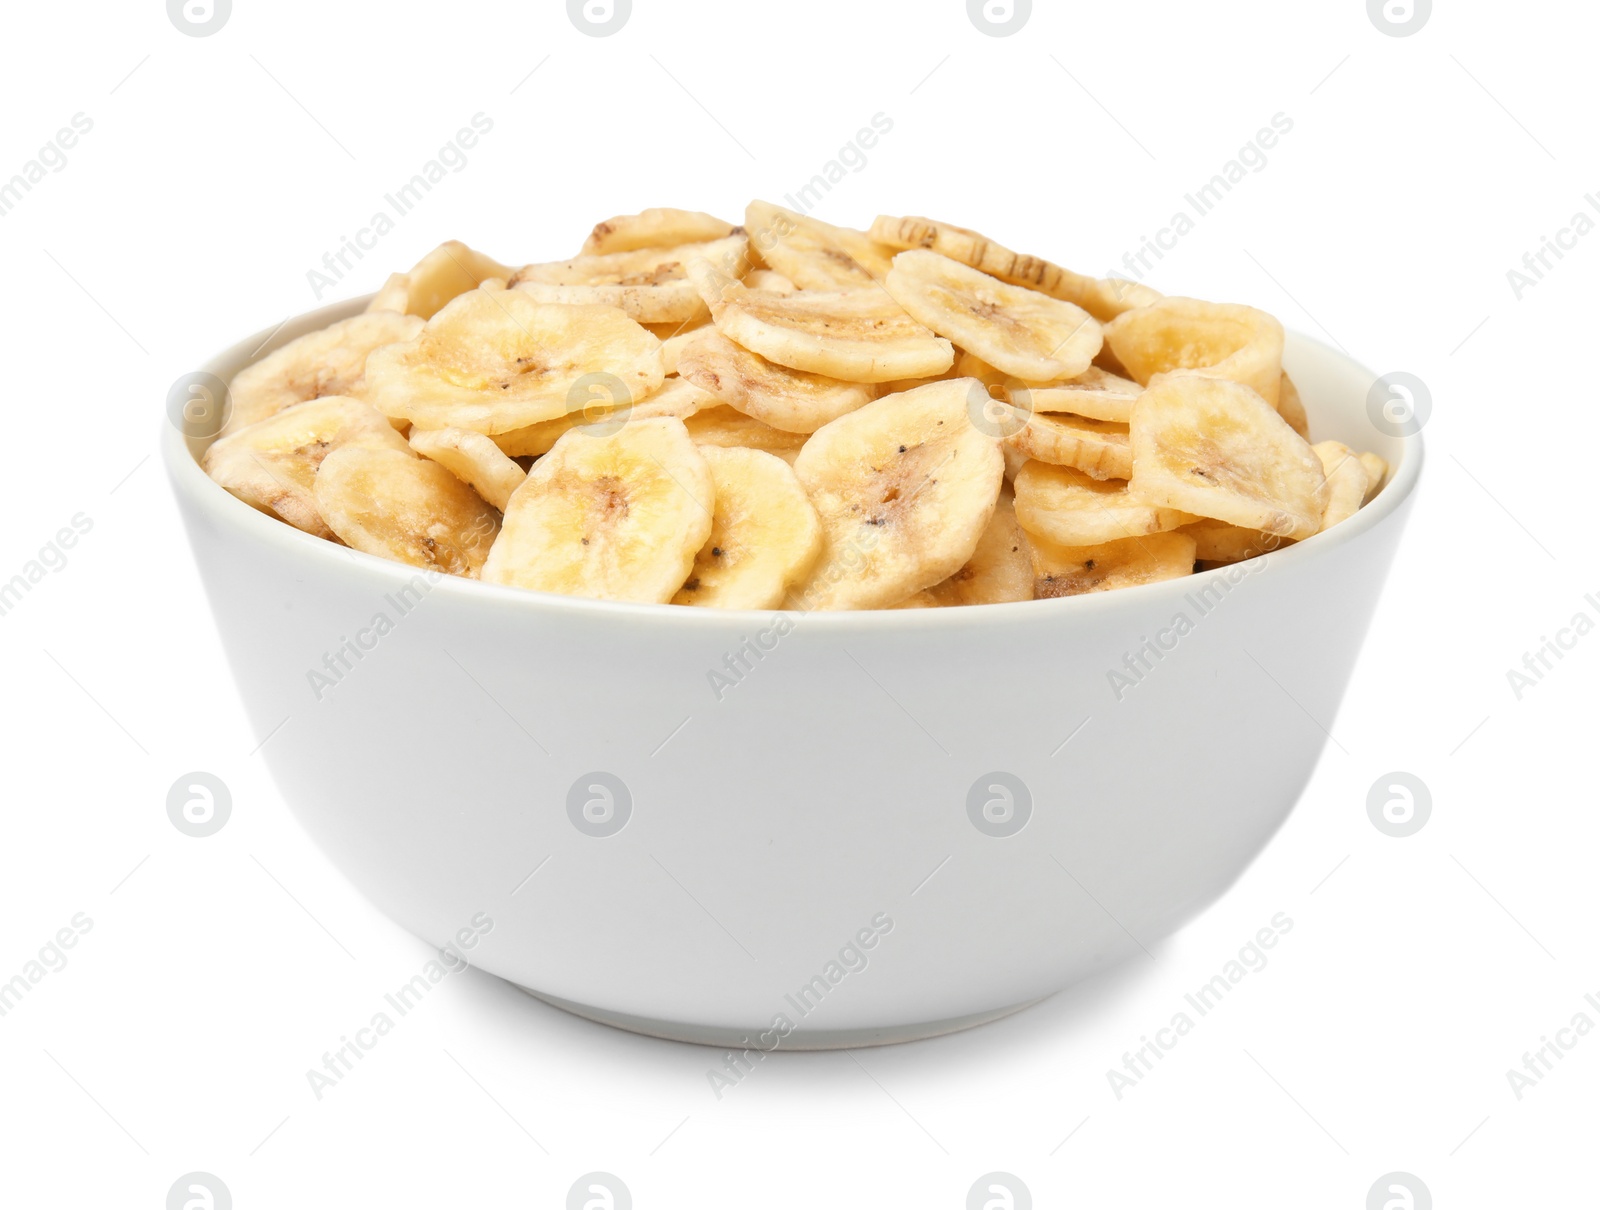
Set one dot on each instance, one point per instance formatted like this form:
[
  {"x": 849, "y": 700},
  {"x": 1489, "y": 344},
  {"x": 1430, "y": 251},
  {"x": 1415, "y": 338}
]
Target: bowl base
[{"x": 815, "y": 1039}]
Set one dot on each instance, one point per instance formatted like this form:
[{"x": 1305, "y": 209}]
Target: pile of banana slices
[{"x": 787, "y": 415}]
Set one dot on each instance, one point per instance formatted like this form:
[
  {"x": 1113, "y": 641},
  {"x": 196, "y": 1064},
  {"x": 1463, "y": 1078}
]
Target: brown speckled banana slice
[
  {"x": 1215, "y": 448},
  {"x": 1098, "y": 448},
  {"x": 448, "y": 271},
  {"x": 1217, "y": 543},
  {"x": 720, "y": 425},
  {"x": 472, "y": 458},
  {"x": 493, "y": 361},
  {"x": 1014, "y": 329},
  {"x": 658, "y": 227},
  {"x": 905, "y": 488},
  {"x": 1217, "y": 340},
  {"x": 331, "y": 361},
  {"x": 677, "y": 397},
  {"x": 1377, "y": 471},
  {"x": 649, "y": 285},
  {"x": 617, "y": 517},
  {"x": 1068, "y": 507},
  {"x": 792, "y": 400},
  {"x": 1291, "y": 409},
  {"x": 1067, "y": 571},
  {"x": 1103, "y": 298},
  {"x": 764, "y": 533},
  {"x": 395, "y": 505},
  {"x": 1347, "y": 481},
  {"x": 857, "y": 335},
  {"x": 273, "y": 463},
  {"x": 812, "y": 254},
  {"x": 1095, "y": 394},
  {"x": 1001, "y": 566}
]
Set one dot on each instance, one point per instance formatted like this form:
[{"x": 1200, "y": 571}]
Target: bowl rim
[{"x": 201, "y": 492}]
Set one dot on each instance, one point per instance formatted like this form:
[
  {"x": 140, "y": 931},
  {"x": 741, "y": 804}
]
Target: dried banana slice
[
  {"x": 1347, "y": 481},
  {"x": 1014, "y": 329},
  {"x": 1103, "y": 298},
  {"x": 905, "y": 488},
  {"x": 1098, "y": 448},
  {"x": 395, "y": 505},
  {"x": 812, "y": 254},
  {"x": 1217, "y": 340},
  {"x": 1215, "y": 448},
  {"x": 792, "y": 400},
  {"x": 394, "y": 296},
  {"x": 616, "y": 517},
  {"x": 1095, "y": 393},
  {"x": 1218, "y": 543},
  {"x": 273, "y": 463},
  {"x": 1377, "y": 471},
  {"x": 472, "y": 458},
  {"x": 764, "y": 534},
  {"x": 331, "y": 361},
  {"x": 772, "y": 283},
  {"x": 1291, "y": 409},
  {"x": 677, "y": 397},
  {"x": 492, "y": 361},
  {"x": 1001, "y": 567},
  {"x": 658, "y": 227},
  {"x": 857, "y": 335},
  {"x": 447, "y": 272},
  {"x": 649, "y": 285},
  {"x": 1066, "y": 506},
  {"x": 720, "y": 425},
  {"x": 918, "y": 600},
  {"x": 1067, "y": 571}
]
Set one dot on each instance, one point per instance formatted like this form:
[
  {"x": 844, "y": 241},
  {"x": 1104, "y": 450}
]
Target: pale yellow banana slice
[
  {"x": 1068, "y": 507},
  {"x": 1347, "y": 481},
  {"x": 1098, "y": 448},
  {"x": 793, "y": 400},
  {"x": 395, "y": 505},
  {"x": 331, "y": 361},
  {"x": 771, "y": 282},
  {"x": 1215, "y": 448},
  {"x": 649, "y": 285},
  {"x": 472, "y": 458},
  {"x": 658, "y": 227},
  {"x": 1218, "y": 543},
  {"x": 616, "y": 517},
  {"x": 677, "y": 397},
  {"x": 1067, "y": 571},
  {"x": 273, "y": 463},
  {"x": 492, "y": 361},
  {"x": 1377, "y": 470},
  {"x": 905, "y": 487},
  {"x": 857, "y": 336},
  {"x": 970, "y": 365},
  {"x": 447, "y": 272},
  {"x": 764, "y": 533},
  {"x": 1291, "y": 409},
  {"x": 720, "y": 425},
  {"x": 1014, "y": 329},
  {"x": 1001, "y": 566},
  {"x": 1095, "y": 393},
  {"x": 394, "y": 296},
  {"x": 1103, "y": 298},
  {"x": 812, "y": 254},
  {"x": 1217, "y": 340}
]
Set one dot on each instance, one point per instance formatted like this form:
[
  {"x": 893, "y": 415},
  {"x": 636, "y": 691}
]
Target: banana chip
[
  {"x": 617, "y": 517},
  {"x": 720, "y": 425},
  {"x": 1000, "y": 569},
  {"x": 764, "y": 534},
  {"x": 660, "y": 227},
  {"x": 1067, "y": 571},
  {"x": 1070, "y": 508},
  {"x": 273, "y": 463},
  {"x": 905, "y": 488},
  {"x": 1290, "y": 407},
  {"x": 1099, "y": 448},
  {"x": 472, "y": 458},
  {"x": 1095, "y": 394},
  {"x": 395, "y": 505},
  {"x": 1215, "y": 448},
  {"x": 1377, "y": 472},
  {"x": 493, "y": 361},
  {"x": 331, "y": 361},
  {"x": 649, "y": 285},
  {"x": 447, "y": 272},
  {"x": 1014, "y": 329},
  {"x": 1347, "y": 481},
  {"x": 812, "y": 254},
  {"x": 1217, "y": 543},
  {"x": 1217, "y": 340},
  {"x": 677, "y": 397},
  {"x": 793, "y": 400}
]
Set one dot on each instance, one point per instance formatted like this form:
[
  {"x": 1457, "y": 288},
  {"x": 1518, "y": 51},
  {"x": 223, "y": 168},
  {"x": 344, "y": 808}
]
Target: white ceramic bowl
[{"x": 799, "y": 864}]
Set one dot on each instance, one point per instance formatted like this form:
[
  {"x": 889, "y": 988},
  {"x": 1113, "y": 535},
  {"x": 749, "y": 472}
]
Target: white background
[{"x": 220, "y": 169}]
